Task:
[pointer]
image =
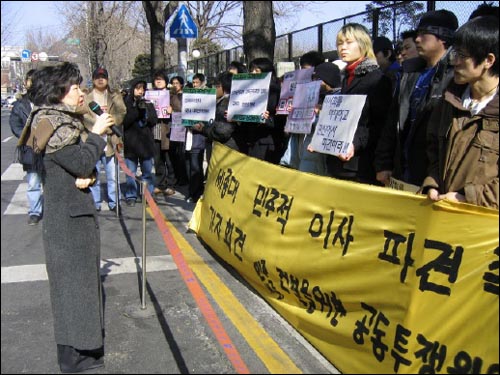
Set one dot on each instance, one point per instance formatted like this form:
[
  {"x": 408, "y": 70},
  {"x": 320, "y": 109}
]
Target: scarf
[{"x": 49, "y": 129}]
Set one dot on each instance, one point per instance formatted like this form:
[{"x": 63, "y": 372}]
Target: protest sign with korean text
[
  {"x": 290, "y": 81},
  {"x": 177, "y": 131},
  {"x": 249, "y": 96},
  {"x": 198, "y": 105},
  {"x": 338, "y": 121},
  {"x": 161, "y": 101},
  {"x": 304, "y": 102}
]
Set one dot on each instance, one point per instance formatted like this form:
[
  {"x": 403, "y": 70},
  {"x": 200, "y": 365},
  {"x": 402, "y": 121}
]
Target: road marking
[
  {"x": 269, "y": 352},
  {"x": 109, "y": 267},
  {"x": 18, "y": 205},
  {"x": 14, "y": 173}
]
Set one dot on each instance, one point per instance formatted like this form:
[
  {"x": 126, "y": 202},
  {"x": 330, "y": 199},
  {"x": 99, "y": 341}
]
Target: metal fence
[{"x": 322, "y": 37}]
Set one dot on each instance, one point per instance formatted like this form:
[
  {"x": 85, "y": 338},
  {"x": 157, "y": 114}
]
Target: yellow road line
[{"x": 269, "y": 352}]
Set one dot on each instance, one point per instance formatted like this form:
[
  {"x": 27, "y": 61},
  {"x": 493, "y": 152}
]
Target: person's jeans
[
  {"x": 147, "y": 175},
  {"x": 34, "y": 193},
  {"x": 110, "y": 168}
]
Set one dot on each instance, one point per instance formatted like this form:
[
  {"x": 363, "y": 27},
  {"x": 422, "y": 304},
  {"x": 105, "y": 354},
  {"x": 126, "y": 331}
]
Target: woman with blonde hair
[{"x": 362, "y": 76}]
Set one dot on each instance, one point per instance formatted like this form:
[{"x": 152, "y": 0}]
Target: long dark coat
[{"x": 72, "y": 245}]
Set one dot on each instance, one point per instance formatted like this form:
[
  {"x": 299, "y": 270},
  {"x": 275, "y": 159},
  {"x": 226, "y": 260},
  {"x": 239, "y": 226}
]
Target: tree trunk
[
  {"x": 259, "y": 32},
  {"x": 157, "y": 17}
]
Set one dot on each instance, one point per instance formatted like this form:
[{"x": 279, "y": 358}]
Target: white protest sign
[
  {"x": 161, "y": 101},
  {"x": 198, "y": 105},
  {"x": 304, "y": 101},
  {"x": 290, "y": 81},
  {"x": 249, "y": 96},
  {"x": 337, "y": 123},
  {"x": 177, "y": 131}
]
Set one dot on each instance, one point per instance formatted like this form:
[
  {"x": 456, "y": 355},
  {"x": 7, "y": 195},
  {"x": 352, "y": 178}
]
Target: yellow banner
[{"x": 378, "y": 280}]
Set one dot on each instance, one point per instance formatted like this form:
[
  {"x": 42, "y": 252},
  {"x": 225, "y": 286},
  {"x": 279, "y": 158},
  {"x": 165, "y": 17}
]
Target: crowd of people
[{"x": 430, "y": 119}]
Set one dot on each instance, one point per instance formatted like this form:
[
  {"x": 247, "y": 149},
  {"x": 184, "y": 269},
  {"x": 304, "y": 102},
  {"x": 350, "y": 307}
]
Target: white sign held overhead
[{"x": 183, "y": 25}]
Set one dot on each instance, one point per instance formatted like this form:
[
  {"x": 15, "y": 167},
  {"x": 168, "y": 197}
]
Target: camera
[{"x": 141, "y": 103}]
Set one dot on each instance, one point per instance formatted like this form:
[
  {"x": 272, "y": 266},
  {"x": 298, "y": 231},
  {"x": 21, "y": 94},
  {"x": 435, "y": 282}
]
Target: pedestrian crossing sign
[{"x": 183, "y": 25}]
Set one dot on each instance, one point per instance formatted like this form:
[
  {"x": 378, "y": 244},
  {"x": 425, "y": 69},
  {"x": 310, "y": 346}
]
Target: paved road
[{"x": 177, "y": 332}]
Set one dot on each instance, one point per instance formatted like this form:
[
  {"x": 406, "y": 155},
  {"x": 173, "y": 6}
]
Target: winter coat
[
  {"x": 389, "y": 155},
  {"x": 138, "y": 124},
  {"x": 116, "y": 108},
  {"x": 72, "y": 245},
  {"x": 463, "y": 149},
  {"x": 19, "y": 113},
  {"x": 265, "y": 141},
  {"x": 370, "y": 81},
  {"x": 220, "y": 130}
]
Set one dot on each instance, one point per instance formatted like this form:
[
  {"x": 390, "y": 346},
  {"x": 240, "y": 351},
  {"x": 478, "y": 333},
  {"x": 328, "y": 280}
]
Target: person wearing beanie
[
  {"x": 362, "y": 77},
  {"x": 401, "y": 150},
  {"x": 386, "y": 59},
  {"x": 463, "y": 160},
  {"x": 110, "y": 101}
]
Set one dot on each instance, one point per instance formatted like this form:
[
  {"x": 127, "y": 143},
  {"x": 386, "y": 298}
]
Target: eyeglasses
[{"x": 454, "y": 55}]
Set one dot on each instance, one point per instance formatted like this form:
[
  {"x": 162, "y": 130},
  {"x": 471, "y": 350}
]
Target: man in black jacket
[
  {"x": 18, "y": 116},
  {"x": 401, "y": 150}
]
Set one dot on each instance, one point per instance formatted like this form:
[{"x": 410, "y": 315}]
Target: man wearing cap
[
  {"x": 401, "y": 150},
  {"x": 110, "y": 102}
]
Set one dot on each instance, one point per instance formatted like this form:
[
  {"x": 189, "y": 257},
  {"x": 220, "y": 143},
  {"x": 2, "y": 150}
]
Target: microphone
[{"x": 96, "y": 108}]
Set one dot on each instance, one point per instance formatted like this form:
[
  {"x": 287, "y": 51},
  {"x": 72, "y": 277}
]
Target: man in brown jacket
[
  {"x": 463, "y": 130},
  {"x": 110, "y": 102}
]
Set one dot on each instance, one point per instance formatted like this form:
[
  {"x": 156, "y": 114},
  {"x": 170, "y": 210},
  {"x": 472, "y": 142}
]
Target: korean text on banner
[
  {"x": 290, "y": 81},
  {"x": 198, "y": 106},
  {"x": 306, "y": 98},
  {"x": 161, "y": 101},
  {"x": 337, "y": 123},
  {"x": 249, "y": 96},
  {"x": 378, "y": 280},
  {"x": 177, "y": 131}
]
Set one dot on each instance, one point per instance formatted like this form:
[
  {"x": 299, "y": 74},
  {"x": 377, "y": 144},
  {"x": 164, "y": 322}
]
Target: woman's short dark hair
[
  {"x": 312, "y": 58},
  {"x": 178, "y": 78},
  {"x": 264, "y": 64},
  {"x": 225, "y": 79},
  {"x": 240, "y": 67},
  {"x": 51, "y": 83},
  {"x": 160, "y": 73},
  {"x": 479, "y": 37}
]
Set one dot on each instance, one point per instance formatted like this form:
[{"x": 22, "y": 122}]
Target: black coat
[
  {"x": 368, "y": 80},
  {"x": 72, "y": 245},
  {"x": 17, "y": 121},
  {"x": 138, "y": 129}
]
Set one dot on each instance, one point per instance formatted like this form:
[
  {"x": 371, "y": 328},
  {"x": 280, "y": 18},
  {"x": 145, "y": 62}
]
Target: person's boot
[{"x": 73, "y": 360}]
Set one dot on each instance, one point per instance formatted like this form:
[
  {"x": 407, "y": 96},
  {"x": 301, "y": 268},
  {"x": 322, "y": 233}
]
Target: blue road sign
[
  {"x": 183, "y": 25},
  {"x": 26, "y": 55}
]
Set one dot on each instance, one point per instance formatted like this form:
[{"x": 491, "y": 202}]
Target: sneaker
[
  {"x": 98, "y": 209},
  {"x": 169, "y": 191},
  {"x": 130, "y": 202},
  {"x": 33, "y": 220}
]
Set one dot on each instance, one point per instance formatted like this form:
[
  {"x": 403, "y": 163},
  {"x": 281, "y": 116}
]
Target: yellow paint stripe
[{"x": 269, "y": 352}]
